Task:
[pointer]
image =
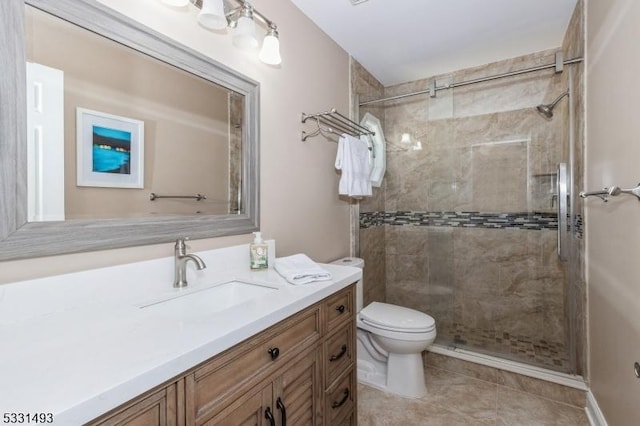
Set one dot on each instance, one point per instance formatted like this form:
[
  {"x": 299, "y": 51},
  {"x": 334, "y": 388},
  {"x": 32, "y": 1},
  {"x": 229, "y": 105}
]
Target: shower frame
[{"x": 558, "y": 65}]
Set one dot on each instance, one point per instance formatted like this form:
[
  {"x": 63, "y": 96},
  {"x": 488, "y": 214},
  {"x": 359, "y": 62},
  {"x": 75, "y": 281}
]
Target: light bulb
[
  {"x": 406, "y": 138},
  {"x": 270, "y": 53},
  {"x": 244, "y": 34},
  {"x": 212, "y": 15}
]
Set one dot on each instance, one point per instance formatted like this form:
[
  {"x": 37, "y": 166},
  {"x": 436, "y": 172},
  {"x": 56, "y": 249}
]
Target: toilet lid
[{"x": 396, "y": 318}]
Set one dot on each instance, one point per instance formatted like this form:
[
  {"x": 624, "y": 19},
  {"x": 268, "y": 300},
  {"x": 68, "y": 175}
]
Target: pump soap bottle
[{"x": 258, "y": 250}]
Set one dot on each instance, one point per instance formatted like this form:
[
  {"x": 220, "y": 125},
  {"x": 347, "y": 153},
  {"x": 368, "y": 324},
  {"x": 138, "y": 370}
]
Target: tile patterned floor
[{"x": 456, "y": 399}]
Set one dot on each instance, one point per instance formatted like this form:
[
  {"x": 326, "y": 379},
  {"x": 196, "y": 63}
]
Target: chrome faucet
[{"x": 181, "y": 259}]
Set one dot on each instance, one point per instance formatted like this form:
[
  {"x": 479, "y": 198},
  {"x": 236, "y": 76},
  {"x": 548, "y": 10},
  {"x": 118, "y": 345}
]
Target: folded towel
[
  {"x": 299, "y": 269},
  {"x": 353, "y": 159}
]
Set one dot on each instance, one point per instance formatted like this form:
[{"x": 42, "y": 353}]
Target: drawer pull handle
[
  {"x": 340, "y": 309},
  {"x": 269, "y": 416},
  {"x": 336, "y": 404},
  {"x": 281, "y": 407},
  {"x": 274, "y": 352},
  {"x": 343, "y": 351}
]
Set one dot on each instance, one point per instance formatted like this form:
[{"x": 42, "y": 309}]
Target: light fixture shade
[
  {"x": 244, "y": 34},
  {"x": 212, "y": 15},
  {"x": 175, "y": 3},
  {"x": 270, "y": 53}
]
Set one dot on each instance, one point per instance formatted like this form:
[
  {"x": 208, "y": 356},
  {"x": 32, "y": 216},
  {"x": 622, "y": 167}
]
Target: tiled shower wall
[
  {"x": 493, "y": 284},
  {"x": 370, "y": 245}
]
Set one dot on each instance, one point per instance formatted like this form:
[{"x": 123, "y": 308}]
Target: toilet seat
[{"x": 396, "y": 318}]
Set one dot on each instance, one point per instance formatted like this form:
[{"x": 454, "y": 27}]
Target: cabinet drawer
[
  {"x": 339, "y": 353},
  {"x": 339, "y": 399},
  {"x": 339, "y": 308},
  {"x": 211, "y": 386}
]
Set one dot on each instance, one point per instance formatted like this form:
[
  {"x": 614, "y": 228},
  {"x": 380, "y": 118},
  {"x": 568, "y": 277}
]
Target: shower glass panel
[{"x": 470, "y": 219}]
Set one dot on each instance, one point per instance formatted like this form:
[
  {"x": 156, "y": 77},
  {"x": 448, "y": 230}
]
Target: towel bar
[
  {"x": 153, "y": 196},
  {"x": 613, "y": 191}
]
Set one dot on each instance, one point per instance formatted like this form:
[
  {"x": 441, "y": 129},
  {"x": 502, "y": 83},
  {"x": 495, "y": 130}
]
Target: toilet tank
[{"x": 356, "y": 262}]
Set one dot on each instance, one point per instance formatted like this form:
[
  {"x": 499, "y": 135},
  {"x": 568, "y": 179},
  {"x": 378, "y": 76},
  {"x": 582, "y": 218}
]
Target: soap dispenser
[{"x": 258, "y": 250}]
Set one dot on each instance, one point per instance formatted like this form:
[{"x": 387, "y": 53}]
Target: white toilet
[{"x": 391, "y": 339}]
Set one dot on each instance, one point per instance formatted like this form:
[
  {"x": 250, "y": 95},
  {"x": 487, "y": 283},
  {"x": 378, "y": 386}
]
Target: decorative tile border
[{"x": 531, "y": 221}]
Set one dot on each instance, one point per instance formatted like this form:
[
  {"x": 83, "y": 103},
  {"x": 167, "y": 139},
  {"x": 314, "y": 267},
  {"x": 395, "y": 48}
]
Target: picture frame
[{"x": 110, "y": 150}]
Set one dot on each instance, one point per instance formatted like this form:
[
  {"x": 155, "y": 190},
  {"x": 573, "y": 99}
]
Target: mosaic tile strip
[
  {"x": 515, "y": 347},
  {"x": 531, "y": 221},
  {"x": 579, "y": 226}
]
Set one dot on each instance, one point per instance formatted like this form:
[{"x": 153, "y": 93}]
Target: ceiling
[{"x": 406, "y": 40}]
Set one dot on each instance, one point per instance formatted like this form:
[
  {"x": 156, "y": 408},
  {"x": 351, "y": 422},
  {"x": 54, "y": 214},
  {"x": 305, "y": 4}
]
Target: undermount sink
[{"x": 208, "y": 300}]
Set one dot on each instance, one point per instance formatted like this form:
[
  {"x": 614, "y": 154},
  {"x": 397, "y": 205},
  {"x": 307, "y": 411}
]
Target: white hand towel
[
  {"x": 353, "y": 159},
  {"x": 299, "y": 269}
]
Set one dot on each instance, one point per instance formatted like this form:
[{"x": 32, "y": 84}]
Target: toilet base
[
  {"x": 371, "y": 375},
  {"x": 400, "y": 374},
  {"x": 405, "y": 375}
]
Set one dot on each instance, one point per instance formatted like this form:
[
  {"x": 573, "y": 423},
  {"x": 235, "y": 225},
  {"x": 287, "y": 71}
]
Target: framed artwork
[{"x": 110, "y": 150}]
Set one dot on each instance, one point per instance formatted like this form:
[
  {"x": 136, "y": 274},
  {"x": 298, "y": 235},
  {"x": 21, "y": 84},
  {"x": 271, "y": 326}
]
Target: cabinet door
[
  {"x": 157, "y": 409},
  {"x": 254, "y": 408},
  {"x": 298, "y": 392}
]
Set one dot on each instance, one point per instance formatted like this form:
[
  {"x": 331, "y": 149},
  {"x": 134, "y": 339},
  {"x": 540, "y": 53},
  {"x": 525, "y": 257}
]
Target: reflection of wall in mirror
[
  {"x": 236, "y": 108},
  {"x": 186, "y": 122}
]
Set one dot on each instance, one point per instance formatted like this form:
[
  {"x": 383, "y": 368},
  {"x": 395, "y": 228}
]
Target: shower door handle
[{"x": 561, "y": 183}]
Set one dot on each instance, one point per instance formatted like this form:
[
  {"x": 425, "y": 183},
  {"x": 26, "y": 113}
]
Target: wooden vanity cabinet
[{"x": 300, "y": 371}]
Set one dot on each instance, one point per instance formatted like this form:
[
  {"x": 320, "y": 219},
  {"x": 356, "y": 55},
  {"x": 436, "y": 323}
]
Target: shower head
[{"x": 547, "y": 110}]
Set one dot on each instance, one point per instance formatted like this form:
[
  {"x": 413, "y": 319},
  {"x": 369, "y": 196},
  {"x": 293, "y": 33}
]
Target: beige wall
[
  {"x": 186, "y": 121},
  {"x": 613, "y": 229},
  {"x": 300, "y": 207}
]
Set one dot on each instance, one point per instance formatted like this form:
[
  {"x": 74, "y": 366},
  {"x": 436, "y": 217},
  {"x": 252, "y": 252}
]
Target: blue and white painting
[{"x": 111, "y": 151}]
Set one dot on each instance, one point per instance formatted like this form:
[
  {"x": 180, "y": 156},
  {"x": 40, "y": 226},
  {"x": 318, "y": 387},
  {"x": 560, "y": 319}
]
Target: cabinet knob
[
  {"x": 274, "y": 352},
  {"x": 340, "y": 309}
]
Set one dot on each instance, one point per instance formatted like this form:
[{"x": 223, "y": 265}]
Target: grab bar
[{"x": 562, "y": 210}]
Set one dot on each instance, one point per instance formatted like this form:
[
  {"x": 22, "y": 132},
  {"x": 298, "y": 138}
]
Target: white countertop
[{"x": 79, "y": 345}]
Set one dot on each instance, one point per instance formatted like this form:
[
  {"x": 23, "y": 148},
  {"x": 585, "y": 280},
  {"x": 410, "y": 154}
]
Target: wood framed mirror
[{"x": 22, "y": 237}]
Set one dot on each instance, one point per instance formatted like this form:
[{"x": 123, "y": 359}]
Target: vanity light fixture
[
  {"x": 244, "y": 34},
  {"x": 270, "y": 53},
  {"x": 212, "y": 15},
  {"x": 217, "y": 15}
]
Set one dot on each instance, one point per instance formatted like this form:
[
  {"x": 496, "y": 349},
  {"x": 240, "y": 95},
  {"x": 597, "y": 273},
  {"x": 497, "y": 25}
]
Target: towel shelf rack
[{"x": 333, "y": 122}]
